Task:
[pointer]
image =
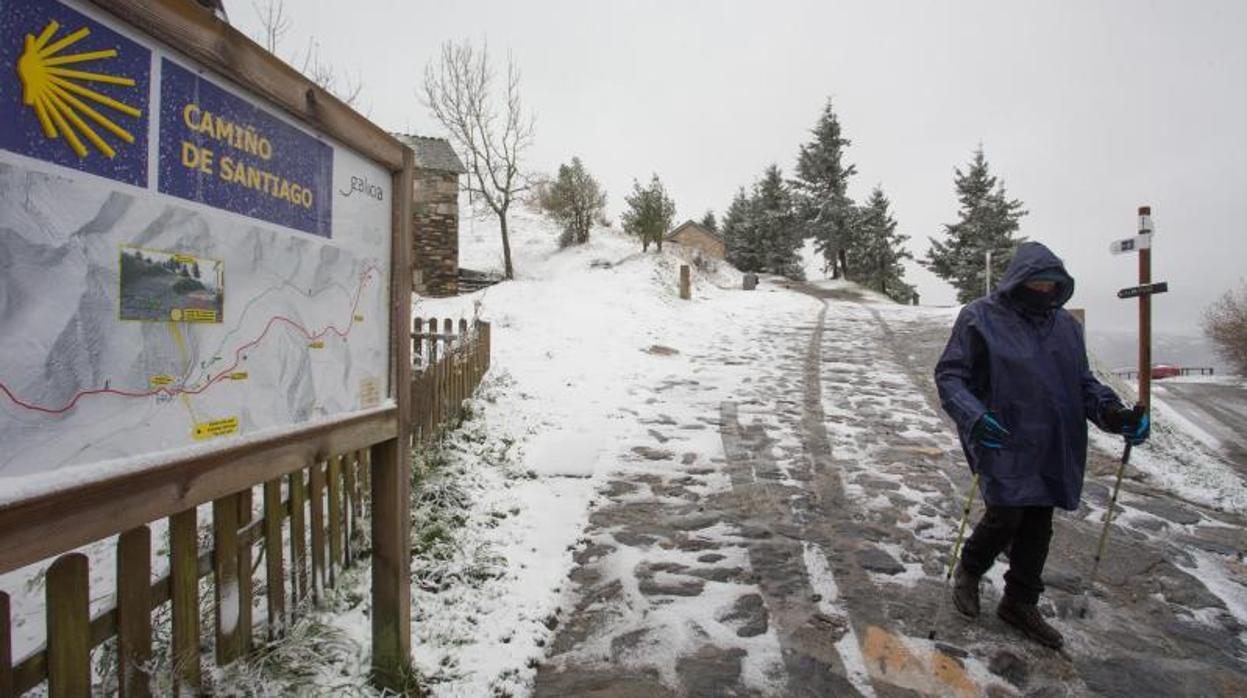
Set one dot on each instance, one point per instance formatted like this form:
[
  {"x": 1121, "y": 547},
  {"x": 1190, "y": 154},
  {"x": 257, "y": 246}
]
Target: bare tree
[
  {"x": 492, "y": 136},
  {"x": 1225, "y": 323},
  {"x": 275, "y": 24}
]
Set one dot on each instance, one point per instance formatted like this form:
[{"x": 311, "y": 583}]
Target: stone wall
[{"x": 435, "y": 233}]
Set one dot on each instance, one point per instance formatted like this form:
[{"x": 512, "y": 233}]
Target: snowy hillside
[{"x": 631, "y": 453}]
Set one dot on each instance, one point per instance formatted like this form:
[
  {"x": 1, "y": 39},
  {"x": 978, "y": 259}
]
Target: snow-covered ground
[
  {"x": 603, "y": 400},
  {"x": 577, "y": 345}
]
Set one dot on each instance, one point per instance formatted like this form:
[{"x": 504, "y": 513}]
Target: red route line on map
[{"x": 215, "y": 379}]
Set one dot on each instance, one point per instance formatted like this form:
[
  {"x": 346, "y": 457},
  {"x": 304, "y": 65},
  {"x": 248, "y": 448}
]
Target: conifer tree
[
  {"x": 738, "y": 234},
  {"x": 649, "y": 213},
  {"x": 823, "y": 204},
  {"x": 881, "y": 250},
  {"x": 574, "y": 199},
  {"x": 709, "y": 222},
  {"x": 988, "y": 219},
  {"x": 776, "y": 235}
]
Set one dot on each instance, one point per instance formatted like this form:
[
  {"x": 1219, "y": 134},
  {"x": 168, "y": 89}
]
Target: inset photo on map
[{"x": 164, "y": 286}]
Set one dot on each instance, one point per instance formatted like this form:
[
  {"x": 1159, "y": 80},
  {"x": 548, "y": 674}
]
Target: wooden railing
[
  {"x": 448, "y": 365},
  {"x": 316, "y": 511}
]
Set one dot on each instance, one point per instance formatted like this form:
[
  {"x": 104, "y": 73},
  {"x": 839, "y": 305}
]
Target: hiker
[{"x": 1015, "y": 379}]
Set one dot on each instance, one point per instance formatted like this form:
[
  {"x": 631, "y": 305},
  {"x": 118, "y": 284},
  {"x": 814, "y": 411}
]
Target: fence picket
[
  {"x": 335, "y": 518},
  {"x": 226, "y": 573},
  {"x": 134, "y": 612},
  {"x": 273, "y": 563},
  {"x": 69, "y": 627},
  {"x": 317, "y": 500},
  {"x": 184, "y": 593},
  {"x": 298, "y": 539},
  {"x": 6, "y": 648},
  {"x": 350, "y": 512},
  {"x": 246, "y": 582}
]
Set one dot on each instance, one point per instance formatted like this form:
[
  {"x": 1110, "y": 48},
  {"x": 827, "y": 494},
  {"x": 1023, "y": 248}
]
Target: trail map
[{"x": 161, "y": 288}]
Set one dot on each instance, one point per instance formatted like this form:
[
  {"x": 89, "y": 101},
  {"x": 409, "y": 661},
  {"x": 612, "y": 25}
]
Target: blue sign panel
[
  {"x": 220, "y": 150},
  {"x": 72, "y": 91}
]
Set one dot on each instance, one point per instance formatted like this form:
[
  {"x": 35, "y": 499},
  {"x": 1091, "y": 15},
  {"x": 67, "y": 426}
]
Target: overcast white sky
[{"x": 1085, "y": 109}]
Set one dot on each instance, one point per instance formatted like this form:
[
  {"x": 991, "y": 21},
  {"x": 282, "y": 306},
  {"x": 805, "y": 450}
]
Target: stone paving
[{"x": 791, "y": 540}]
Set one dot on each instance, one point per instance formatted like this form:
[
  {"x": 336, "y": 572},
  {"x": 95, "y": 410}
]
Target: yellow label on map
[
  {"x": 369, "y": 392},
  {"x": 318, "y": 344},
  {"x": 359, "y": 318},
  {"x": 185, "y": 259},
  {"x": 161, "y": 380},
  {"x": 198, "y": 315},
  {"x": 215, "y": 428},
  {"x": 238, "y": 376}
]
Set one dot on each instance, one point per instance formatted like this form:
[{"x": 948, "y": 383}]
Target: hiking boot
[
  {"x": 1026, "y": 617},
  {"x": 966, "y": 592}
]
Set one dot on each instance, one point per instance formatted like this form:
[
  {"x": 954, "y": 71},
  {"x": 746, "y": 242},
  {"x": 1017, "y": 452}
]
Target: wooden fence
[
  {"x": 306, "y": 525},
  {"x": 447, "y": 368},
  {"x": 316, "y": 511}
]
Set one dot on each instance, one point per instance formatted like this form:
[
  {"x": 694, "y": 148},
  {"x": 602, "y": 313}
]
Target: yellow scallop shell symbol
[{"x": 59, "y": 95}]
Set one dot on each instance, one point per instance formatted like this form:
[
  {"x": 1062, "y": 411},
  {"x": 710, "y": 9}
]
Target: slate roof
[
  {"x": 433, "y": 153},
  {"x": 699, "y": 226}
]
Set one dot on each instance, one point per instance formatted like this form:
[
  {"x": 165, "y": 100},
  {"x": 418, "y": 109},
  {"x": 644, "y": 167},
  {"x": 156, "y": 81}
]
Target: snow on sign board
[
  {"x": 180, "y": 263},
  {"x": 1134, "y": 244}
]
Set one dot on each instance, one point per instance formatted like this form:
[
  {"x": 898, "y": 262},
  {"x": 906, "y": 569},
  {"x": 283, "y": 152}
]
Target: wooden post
[
  {"x": 273, "y": 564},
  {"x": 69, "y": 627},
  {"x": 226, "y": 573},
  {"x": 452, "y": 350},
  {"x": 686, "y": 282},
  {"x": 348, "y": 507},
  {"x": 6, "y": 647},
  {"x": 317, "y": 500},
  {"x": 1145, "y": 312},
  {"x": 335, "y": 518},
  {"x": 391, "y": 472},
  {"x": 246, "y": 583},
  {"x": 184, "y": 593},
  {"x": 298, "y": 537},
  {"x": 134, "y": 611},
  {"x": 417, "y": 338}
]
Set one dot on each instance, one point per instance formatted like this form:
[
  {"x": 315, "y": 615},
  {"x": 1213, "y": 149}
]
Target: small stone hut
[
  {"x": 435, "y": 216},
  {"x": 699, "y": 238}
]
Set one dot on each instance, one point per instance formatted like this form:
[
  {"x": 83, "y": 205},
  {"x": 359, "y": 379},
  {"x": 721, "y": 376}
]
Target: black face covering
[{"x": 1034, "y": 301}]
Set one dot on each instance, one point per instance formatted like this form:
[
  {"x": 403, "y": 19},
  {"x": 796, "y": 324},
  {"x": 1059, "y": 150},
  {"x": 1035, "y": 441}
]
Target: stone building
[
  {"x": 699, "y": 238},
  {"x": 435, "y": 216}
]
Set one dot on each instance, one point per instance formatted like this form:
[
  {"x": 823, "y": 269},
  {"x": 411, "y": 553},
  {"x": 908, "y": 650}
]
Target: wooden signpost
[{"x": 1142, "y": 243}]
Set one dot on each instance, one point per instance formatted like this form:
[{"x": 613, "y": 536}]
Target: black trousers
[{"x": 1025, "y": 532}]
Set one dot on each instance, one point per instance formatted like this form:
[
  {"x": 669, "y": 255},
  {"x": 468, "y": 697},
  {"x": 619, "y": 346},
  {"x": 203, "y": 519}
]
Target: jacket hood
[{"x": 1031, "y": 259}]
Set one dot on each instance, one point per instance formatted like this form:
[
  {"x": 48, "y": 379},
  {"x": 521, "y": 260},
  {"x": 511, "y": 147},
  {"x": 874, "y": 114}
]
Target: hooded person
[{"x": 1015, "y": 379}]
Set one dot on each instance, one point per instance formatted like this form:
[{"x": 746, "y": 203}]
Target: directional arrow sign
[
  {"x": 1144, "y": 290},
  {"x": 1138, "y": 242}
]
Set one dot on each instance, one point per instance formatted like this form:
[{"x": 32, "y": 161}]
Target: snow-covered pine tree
[
  {"x": 988, "y": 221},
  {"x": 709, "y": 222},
  {"x": 881, "y": 250},
  {"x": 777, "y": 235},
  {"x": 738, "y": 234},
  {"x": 822, "y": 202},
  {"x": 649, "y": 213}
]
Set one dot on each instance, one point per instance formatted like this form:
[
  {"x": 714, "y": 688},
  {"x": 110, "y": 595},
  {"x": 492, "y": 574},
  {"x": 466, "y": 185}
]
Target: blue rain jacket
[{"x": 1029, "y": 368}]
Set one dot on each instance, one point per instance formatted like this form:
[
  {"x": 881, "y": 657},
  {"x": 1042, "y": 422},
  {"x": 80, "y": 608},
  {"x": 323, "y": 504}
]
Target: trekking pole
[
  {"x": 1108, "y": 519},
  {"x": 952, "y": 562}
]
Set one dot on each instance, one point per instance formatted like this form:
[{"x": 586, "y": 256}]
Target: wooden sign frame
[{"x": 43, "y": 526}]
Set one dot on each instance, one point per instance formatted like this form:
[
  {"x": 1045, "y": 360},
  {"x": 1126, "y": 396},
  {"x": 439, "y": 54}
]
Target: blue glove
[
  {"x": 1134, "y": 424},
  {"x": 988, "y": 432}
]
